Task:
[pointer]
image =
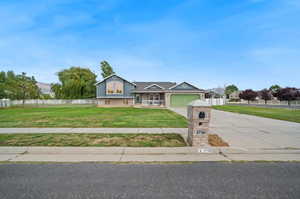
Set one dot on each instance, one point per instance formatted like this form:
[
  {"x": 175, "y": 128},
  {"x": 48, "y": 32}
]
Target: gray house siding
[
  {"x": 101, "y": 89},
  {"x": 127, "y": 89}
]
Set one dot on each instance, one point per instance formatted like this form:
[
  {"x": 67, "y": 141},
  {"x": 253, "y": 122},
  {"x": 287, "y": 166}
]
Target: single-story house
[
  {"x": 235, "y": 95},
  {"x": 116, "y": 91}
]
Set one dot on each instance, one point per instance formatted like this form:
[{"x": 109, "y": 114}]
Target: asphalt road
[{"x": 199, "y": 180}]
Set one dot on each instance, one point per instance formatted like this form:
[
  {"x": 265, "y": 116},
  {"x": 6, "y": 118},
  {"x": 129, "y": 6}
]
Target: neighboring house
[
  {"x": 235, "y": 95},
  {"x": 219, "y": 90},
  {"x": 116, "y": 91},
  {"x": 45, "y": 88}
]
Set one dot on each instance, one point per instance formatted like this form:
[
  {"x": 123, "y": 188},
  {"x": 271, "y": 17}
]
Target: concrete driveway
[{"x": 246, "y": 131}]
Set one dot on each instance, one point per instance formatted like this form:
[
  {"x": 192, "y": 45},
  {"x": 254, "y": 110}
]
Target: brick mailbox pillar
[{"x": 199, "y": 114}]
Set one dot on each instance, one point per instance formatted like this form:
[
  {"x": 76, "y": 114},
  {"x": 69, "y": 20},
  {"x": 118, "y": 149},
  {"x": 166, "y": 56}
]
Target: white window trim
[{"x": 153, "y": 85}]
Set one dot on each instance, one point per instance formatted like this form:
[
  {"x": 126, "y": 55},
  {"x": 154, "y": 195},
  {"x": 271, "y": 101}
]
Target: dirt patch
[
  {"x": 215, "y": 140},
  {"x": 108, "y": 140},
  {"x": 147, "y": 138},
  {"x": 77, "y": 139}
]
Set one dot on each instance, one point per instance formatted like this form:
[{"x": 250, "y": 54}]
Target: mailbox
[{"x": 199, "y": 114}]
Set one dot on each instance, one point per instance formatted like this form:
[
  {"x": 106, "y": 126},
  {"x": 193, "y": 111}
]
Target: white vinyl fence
[
  {"x": 5, "y": 103},
  {"x": 35, "y": 102},
  {"x": 215, "y": 101},
  {"x": 269, "y": 102}
]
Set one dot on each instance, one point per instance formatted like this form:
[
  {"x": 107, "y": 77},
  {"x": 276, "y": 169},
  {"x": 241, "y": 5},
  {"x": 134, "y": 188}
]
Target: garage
[{"x": 179, "y": 100}]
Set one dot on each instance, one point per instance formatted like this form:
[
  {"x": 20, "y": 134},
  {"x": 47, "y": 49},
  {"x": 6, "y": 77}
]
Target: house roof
[
  {"x": 184, "y": 83},
  {"x": 44, "y": 87},
  {"x": 154, "y": 86},
  {"x": 146, "y": 86},
  {"x": 112, "y": 76}
]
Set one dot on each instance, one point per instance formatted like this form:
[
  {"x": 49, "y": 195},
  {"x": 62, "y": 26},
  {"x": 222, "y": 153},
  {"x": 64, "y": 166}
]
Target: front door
[{"x": 154, "y": 99}]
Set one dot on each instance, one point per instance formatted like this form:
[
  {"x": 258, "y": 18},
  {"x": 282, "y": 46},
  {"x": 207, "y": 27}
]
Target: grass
[
  {"x": 94, "y": 140},
  {"x": 291, "y": 115},
  {"x": 89, "y": 117}
]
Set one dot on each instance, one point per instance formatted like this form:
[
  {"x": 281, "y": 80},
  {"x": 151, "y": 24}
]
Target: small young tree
[
  {"x": 288, "y": 94},
  {"x": 265, "y": 94},
  {"x": 230, "y": 89},
  {"x": 26, "y": 87},
  {"x": 248, "y": 95},
  {"x": 106, "y": 69}
]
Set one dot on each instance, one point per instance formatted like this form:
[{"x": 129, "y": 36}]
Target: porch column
[{"x": 167, "y": 99}]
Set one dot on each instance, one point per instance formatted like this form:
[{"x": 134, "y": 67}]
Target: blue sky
[{"x": 250, "y": 43}]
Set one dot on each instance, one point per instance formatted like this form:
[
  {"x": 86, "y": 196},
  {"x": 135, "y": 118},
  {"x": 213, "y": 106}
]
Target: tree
[
  {"x": 288, "y": 94},
  {"x": 248, "y": 95},
  {"x": 18, "y": 86},
  {"x": 57, "y": 90},
  {"x": 2, "y": 84},
  {"x": 265, "y": 94},
  {"x": 27, "y": 88},
  {"x": 106, "y": 69},
  {"x": 46, "y": 96},
  {"x": 230, "y": 89},
  {"x": 274, "y": 89},
  {"x": 10, "y": 86},
  {"x": 76, "y": 83}
]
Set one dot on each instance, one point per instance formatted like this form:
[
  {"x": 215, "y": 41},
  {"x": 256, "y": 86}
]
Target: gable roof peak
[
  {"x": 151, "y": 85},
  {"x": 184, "y": 83},
  {"x": 114, "y": 74}
]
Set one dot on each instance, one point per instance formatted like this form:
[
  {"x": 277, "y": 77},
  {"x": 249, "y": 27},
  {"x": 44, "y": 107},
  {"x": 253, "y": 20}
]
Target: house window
[
  {"x": 107, "y": 101},
  {"x": 114, "y": 87},
  {"x": 137, "y": 98}
]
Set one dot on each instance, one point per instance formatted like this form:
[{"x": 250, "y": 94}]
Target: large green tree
[
  {"x": 75, "y": 83},
  {"x": 106, "y": 68},
  {"x": 230, "y": 89},
  {"x": 19, "y": 87},
  {"x": 57, "y": 90}
]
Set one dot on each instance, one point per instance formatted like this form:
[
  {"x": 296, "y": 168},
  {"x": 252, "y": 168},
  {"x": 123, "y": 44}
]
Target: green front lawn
[
  {"x": 100, "y": 140},
  {"x": 274, "y": 113},
  {"x": 89, "y": 117}
]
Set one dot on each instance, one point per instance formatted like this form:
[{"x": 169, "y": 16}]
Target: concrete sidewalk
[{"x": 145, "y": 154}]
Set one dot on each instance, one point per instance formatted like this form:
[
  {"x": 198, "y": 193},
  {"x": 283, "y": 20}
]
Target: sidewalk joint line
[
  {"x": 224, "y": 155},
  {"x": 122, "y": 154},
  {"x": 18, "y": 155}
]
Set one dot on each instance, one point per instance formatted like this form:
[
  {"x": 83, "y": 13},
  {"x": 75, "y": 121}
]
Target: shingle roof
[
  {"x": 140, "y": 86},
  {"x": 110, "y": 77}
]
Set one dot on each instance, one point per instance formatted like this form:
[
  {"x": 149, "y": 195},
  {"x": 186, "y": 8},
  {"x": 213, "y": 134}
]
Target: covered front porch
[{"x": 150, "y": 99}]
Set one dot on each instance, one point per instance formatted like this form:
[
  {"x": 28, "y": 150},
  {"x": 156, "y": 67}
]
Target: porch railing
[{"x": 153, "y": 102}]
